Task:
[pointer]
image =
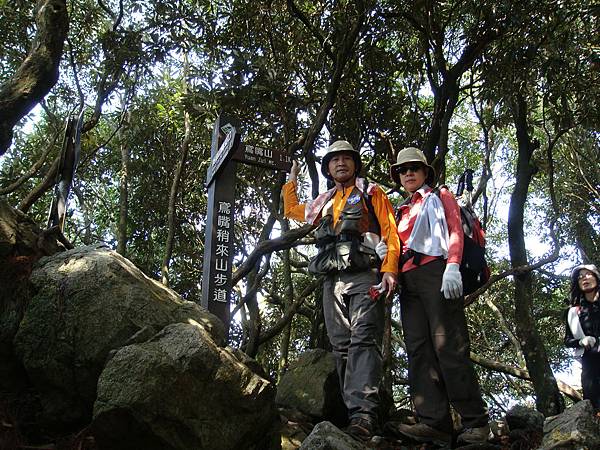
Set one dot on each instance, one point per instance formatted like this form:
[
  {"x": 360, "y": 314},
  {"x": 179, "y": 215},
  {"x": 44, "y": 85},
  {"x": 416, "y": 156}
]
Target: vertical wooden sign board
[
  {"x": 218, "y": 240},
  {"x": 226, "y": 150}
]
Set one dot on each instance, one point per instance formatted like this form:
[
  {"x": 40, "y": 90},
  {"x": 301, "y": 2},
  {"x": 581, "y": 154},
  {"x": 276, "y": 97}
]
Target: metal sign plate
[{"x": 263, "y": 157}]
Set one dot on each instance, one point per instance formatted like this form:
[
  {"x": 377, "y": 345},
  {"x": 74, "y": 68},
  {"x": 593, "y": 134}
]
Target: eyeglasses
[
  {"x": 585, "y": 275},
  {"x": 412, "y": 167}
]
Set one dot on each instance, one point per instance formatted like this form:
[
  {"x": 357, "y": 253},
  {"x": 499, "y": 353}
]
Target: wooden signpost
[{"x": 227, "y": 150}]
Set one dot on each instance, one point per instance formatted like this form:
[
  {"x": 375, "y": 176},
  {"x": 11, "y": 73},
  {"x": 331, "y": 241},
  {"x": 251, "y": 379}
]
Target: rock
[
  {"x": 522, "y": 417},
  {"x": 86, "y": 303},
  {"x": 181, "y": 391},
  {"x": 295, "y": 427},
  {"x": 575, "y": 428},
  {"x": 22, "y": 243},
  {"x": 320, "y": 398},
  {"x": 326, "y": 436}
]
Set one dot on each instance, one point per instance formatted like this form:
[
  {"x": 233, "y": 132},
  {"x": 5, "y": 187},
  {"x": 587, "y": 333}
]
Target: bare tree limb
[
  {"x": 32, "y": 171},
  {"x": 289, "y": 314},
  {"x": 286, "y": 240},
  {"x": 523, "y": 374},
  {"x": 514, "y": 271}
]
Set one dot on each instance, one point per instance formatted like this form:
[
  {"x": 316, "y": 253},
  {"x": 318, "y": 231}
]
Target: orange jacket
[{"x": 384, "y": 211}]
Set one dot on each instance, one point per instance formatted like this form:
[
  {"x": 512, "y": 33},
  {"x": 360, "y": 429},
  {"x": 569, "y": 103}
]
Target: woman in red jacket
[{"x": 435, "y": 331}]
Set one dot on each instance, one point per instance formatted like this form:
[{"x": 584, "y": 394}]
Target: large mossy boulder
[
  {"x": 181, "y": 391},
  {"x": 86, "y": 303}
]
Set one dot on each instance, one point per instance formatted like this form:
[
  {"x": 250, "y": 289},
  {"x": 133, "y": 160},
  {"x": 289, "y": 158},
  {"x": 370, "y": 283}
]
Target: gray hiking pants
[
  {"x": 355, "y": 327},
  {"x": 440, "y": 372}
]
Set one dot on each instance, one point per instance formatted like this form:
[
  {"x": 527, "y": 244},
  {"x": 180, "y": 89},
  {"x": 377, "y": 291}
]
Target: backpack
[{"x": 473, "y": 267}]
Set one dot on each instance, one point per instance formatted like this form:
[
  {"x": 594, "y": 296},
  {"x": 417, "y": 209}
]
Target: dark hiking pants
[
  {"x": 355, "y": 326},
  {"x": 440, "y": 372},
  {"x": 590, "y": 376}
]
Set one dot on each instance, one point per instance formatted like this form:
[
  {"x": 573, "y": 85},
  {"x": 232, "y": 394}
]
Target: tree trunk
[
  {"x": 173, "y": 201},
  {"x": 548, "y": 399},
  {"x": 284, "y": 345},
  {"x": 185, "y": 145},
  {"x": 254, "y": 324},
  {"x": 587, "y": 239},
  {"x": 123, "y": 200},
  {"x": 39, "y": 71},
  {"x": 86, "y": 238}
]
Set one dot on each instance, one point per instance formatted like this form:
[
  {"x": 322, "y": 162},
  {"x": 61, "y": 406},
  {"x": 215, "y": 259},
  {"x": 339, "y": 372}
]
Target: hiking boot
[
  {"x": 361, "y": 429},
  {"x": 422, "y": 433},
  {"x": 474, "y": 435}
]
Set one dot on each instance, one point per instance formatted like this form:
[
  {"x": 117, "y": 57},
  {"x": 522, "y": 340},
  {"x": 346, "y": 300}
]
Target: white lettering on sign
[
  {"x": 220, "y": 295},
  {"x": 222, "y": 250},
  {"x": 222, "y": 235},
  {"x": 221, "y": 155},
  {"x": 222, "y": 275},
  {"x": 227, "y": 128},
  {"x": 223, "y": 221},
  {"x": 224, "y": 208},
  {"x": 220, "y": 279},
  {"x": 221, "y": 265}
]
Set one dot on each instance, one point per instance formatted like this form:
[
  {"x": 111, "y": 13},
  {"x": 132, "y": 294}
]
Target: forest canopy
[{"x": 508, "y": 89}]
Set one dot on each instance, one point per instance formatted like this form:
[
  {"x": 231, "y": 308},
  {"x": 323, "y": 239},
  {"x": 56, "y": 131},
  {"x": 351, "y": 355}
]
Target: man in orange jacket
[{"x": 352, "y": 219}]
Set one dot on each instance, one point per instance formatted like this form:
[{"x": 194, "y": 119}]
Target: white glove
[
  {"x": 588, "y": 342},
  {"x": 381, "y": 249},
  {"x": 452, "y": 282}
]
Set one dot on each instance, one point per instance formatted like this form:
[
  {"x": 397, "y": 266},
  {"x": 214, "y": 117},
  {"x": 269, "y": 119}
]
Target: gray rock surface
[
  {"x": 522, "y": 417},
  {"x": 181, "y": 391},
  {"x": 86, "y": 303},
  {"x": 326, "y": 436},
  {"x": 576, "y": 428},
  {"x": 312, "y": 387}
]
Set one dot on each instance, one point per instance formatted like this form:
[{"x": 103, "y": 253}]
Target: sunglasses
[
  {"x": 585, "y": 275},
  {"x": 412, "y": 167}
]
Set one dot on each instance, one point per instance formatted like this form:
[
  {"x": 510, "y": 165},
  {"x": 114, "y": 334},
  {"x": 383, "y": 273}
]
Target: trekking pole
[
  {"x": 468, "y": 174},
  {"x": 461, "y": 185}
]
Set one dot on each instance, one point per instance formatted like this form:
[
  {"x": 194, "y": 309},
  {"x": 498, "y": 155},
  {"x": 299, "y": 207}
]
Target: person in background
[
  {"x": 583, "y": 328},
  {"x": 440, "y": 371},
  {"x": 352, "y": 219}
]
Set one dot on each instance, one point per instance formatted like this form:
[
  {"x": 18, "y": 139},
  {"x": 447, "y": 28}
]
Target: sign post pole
[
  {"x": 226, "y": 151},
  {"x": 218, "y": 240}
]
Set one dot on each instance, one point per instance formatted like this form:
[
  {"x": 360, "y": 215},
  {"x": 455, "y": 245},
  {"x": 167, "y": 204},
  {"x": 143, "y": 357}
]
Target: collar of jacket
[{"x": 313, "y": 208}]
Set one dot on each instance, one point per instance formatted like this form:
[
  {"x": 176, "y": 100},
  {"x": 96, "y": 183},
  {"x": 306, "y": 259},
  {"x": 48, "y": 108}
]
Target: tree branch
[
  {"x": 523, "y": 374},
  {"x": 286, "y": 240},
  {"x": 39, "y": 71},
  {"x": 295, "y": 11}
]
